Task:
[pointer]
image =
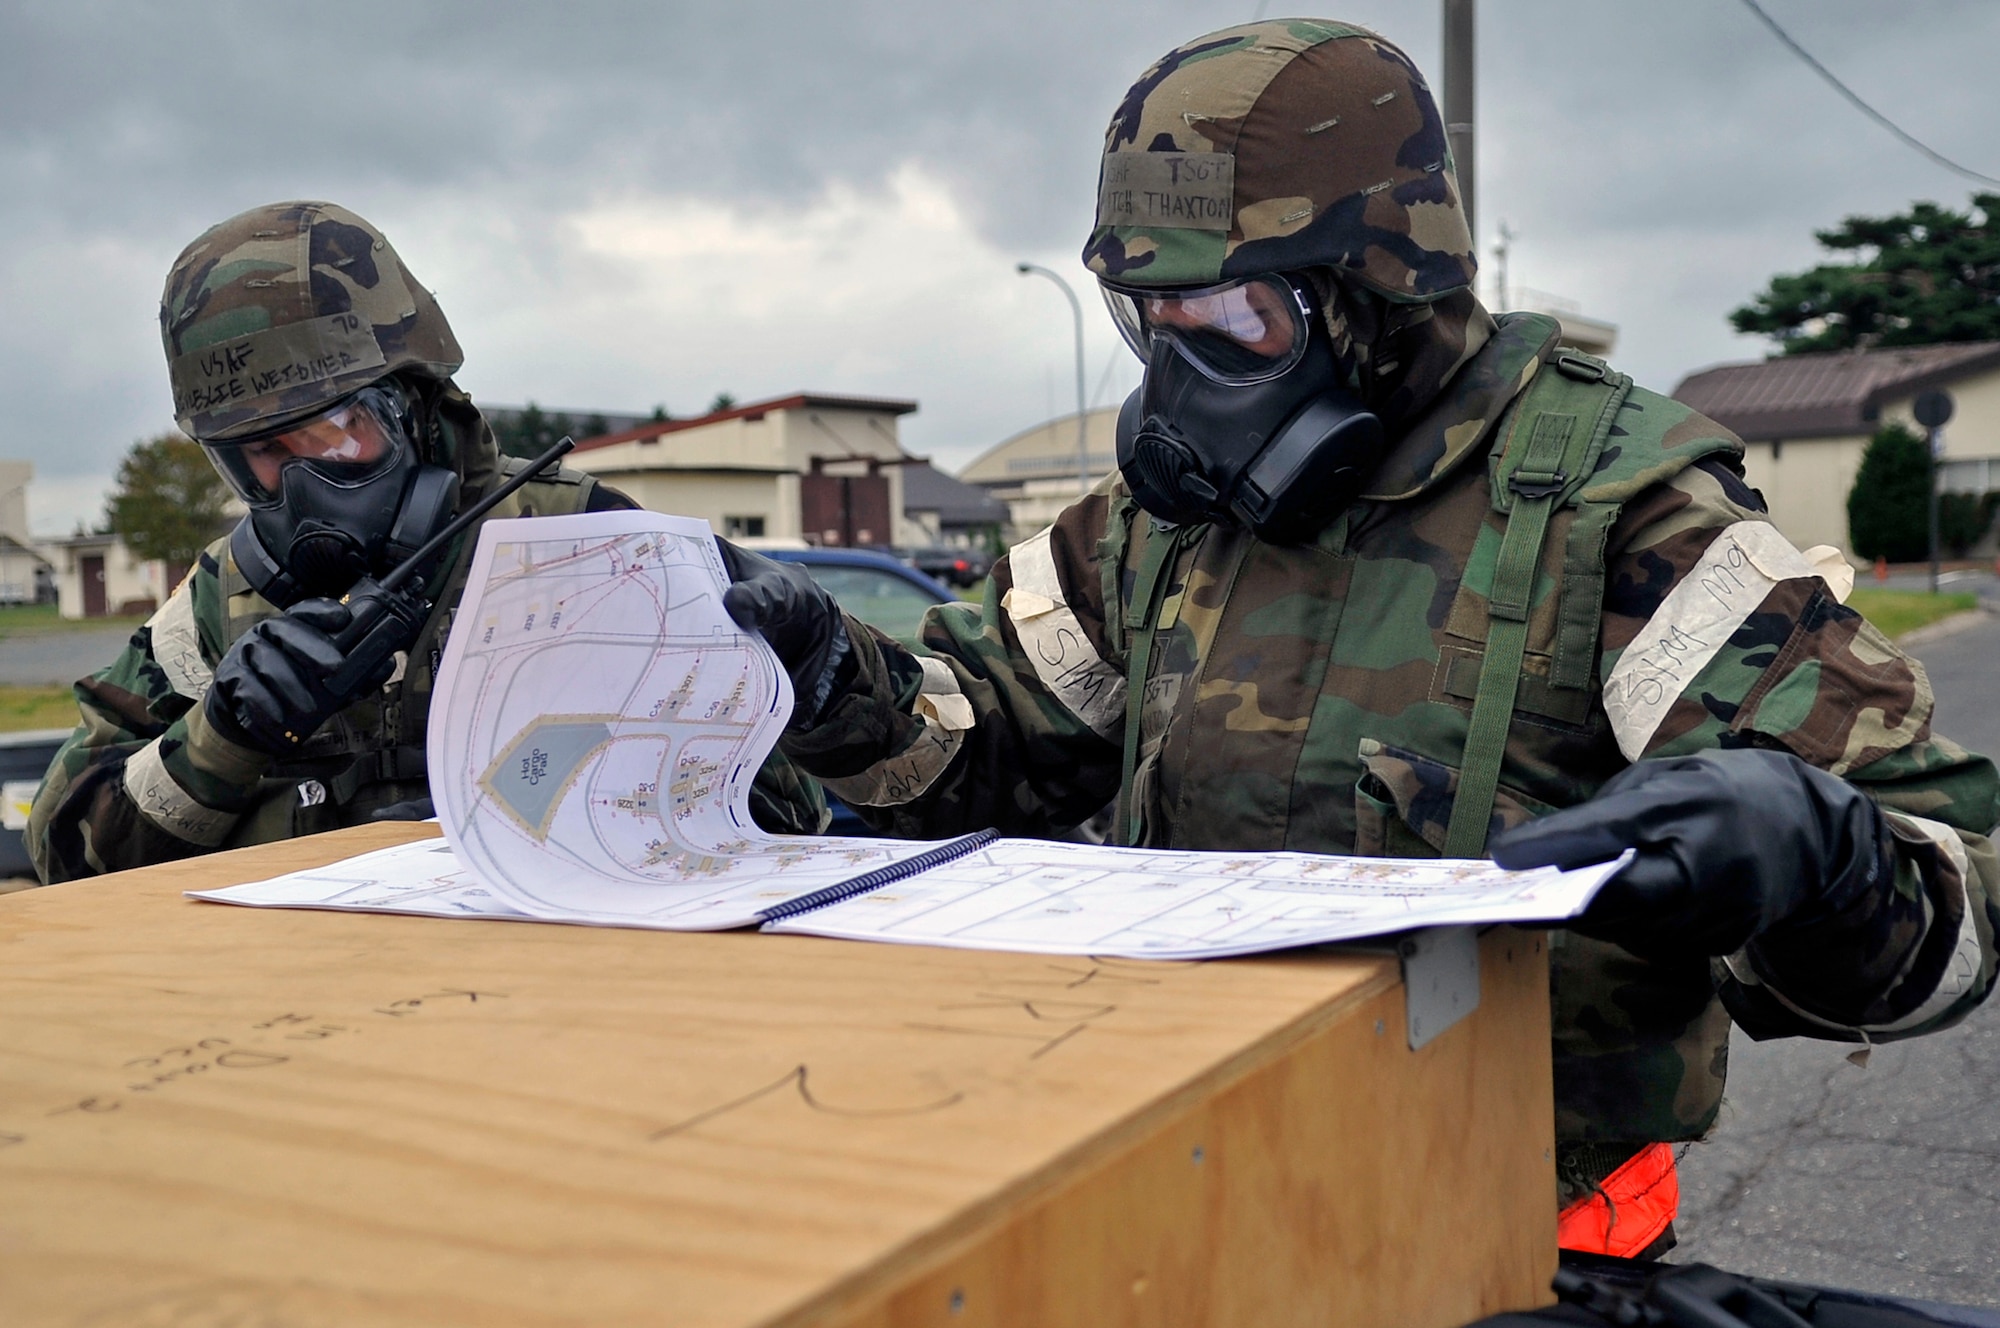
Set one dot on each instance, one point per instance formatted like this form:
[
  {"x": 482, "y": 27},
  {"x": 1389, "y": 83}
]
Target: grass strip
[
  {"x": 1895, "y": 612},
  {"x": 37, "y": 708}
]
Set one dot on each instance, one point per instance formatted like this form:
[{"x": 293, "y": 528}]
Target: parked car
[
  {"x": 888, "y": 595},
  {"x": 962, "y": 567}
]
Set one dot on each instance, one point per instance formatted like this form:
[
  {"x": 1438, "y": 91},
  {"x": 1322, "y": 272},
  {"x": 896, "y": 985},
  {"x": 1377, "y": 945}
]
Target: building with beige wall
[
  {"x": 814, "y": 467},
  {"x": 1806, "y": 419},
  {"x": 97, "y": 575},
  {"x": 15, "y": 477},
  {"x": 23, "y": 570},
  {"x": 1035, "y": 472}
]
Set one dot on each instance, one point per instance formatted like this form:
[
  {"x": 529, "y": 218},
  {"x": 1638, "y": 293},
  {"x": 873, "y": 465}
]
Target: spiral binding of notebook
[{"x": 881, "y": 876}]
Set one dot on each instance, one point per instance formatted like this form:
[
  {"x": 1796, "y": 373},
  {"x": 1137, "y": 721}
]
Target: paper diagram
[{"x": 599, "y": 721}]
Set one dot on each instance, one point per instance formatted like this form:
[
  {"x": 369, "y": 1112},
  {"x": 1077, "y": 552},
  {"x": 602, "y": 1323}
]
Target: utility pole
[
  {"x": 1076, "y": 311},
  {"x": 1501, "y": 249},
  {"x": 1458, "y": 103}
]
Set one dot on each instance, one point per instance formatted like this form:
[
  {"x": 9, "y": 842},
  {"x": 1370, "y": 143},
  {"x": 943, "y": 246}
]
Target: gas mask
[
  {"x": 334, "y": 497},
  {"x": 1241, "y": 419}
]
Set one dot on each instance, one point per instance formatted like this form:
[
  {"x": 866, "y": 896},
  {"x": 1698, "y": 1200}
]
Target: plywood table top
[{"x": 228, "y": 1115}]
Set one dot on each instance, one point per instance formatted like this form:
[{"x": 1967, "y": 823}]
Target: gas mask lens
[
  {"x": 348, "y": 445},
  {"x": 1237, "y": 333}
]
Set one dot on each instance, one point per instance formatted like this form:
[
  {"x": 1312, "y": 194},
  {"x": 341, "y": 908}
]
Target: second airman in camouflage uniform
[{"x": 1328, "y": 691}]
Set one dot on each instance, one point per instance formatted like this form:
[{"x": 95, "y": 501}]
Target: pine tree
[{"x": 1926, "y": 276}]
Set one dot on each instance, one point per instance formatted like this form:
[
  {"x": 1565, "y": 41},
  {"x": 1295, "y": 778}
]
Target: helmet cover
[
  {"x": 283, "y": 310},
  {"x": 1281, "y": 146}
]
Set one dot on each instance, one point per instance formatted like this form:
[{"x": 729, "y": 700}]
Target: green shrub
[
  {"x": 1888, "y": 512},
  {"x": 1963, "y": 518}
]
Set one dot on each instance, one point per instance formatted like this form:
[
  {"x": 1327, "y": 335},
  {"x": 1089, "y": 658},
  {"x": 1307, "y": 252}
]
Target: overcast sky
[{"x": 623, "y": 204}]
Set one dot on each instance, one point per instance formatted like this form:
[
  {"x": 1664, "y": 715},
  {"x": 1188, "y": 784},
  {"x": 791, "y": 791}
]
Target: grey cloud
[
  {"x": 1664, "y": 114},
  {"x": 1631, "y": 143},
  {"x": 1629, "y": 104}
]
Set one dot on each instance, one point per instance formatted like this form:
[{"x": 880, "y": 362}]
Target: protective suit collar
[
  {"x": 1459, "y": 418},
  {"x": 1399, "y": 357}
]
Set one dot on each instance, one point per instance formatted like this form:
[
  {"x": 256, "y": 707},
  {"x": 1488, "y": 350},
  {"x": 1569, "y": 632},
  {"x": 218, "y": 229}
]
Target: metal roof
[
  {"x": 752, "y": 411},
  {"x": 1829, "y": 394},
  {"x": 928, "y": 489}
]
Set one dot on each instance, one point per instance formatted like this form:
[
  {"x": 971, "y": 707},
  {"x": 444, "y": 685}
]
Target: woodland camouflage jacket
[
  {"x": 145, "y": 779},
  {"x": 1317, "y": 698}
]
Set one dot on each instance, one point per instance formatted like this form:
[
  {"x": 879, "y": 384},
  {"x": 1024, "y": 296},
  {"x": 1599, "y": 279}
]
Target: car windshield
[{"x": 881, "y": 599}]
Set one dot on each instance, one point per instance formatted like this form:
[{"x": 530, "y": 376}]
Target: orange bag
[{"x": 1630, "y": 1209}]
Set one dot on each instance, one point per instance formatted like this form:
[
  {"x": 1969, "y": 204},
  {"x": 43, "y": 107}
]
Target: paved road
[
  {"x": 1885, "y": 1178},
  {"x": 59, "y": 657}
]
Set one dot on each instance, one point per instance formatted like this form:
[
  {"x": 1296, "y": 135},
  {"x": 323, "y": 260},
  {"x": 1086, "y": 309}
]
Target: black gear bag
[{"x": 1601, "y": 1292}]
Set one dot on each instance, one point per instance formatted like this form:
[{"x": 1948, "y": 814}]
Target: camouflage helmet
[
  {"x": 282, "y": 310},
  {"x": 1281, "y": 146}
]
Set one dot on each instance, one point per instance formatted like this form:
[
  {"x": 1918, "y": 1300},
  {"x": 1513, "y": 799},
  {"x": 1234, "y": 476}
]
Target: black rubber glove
[
  {"x": 799, "y": 618},
  {"x": 273, "y": 689},
  {"x": 1732, "y": 845}
]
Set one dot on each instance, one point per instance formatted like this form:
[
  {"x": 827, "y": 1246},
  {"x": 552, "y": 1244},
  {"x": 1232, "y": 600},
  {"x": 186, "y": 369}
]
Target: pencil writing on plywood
[
  {"x": 222, "y": 1058},
  {"x": 799, "y": 1077},
  {"x": 1044, "y": 1011}
]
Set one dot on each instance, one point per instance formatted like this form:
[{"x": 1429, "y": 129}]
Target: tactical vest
[
  {"x": 1520, "y": 639},
  {"x": 371, "y": 755}
]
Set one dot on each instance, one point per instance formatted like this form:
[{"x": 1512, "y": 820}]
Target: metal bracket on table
[{"x": 1440, "y": 979}]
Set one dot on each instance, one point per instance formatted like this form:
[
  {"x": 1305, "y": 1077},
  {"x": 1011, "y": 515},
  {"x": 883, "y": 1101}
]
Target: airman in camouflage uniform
[
  {"x": 1323, "y": 694},
  {"x": 278, "y": 315}
]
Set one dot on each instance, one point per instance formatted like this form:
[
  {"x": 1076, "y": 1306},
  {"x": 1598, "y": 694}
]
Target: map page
[
  {"x": 1031, "y": 895},
  {"x": 597, "y": 725},
  {"x": 1046, "y": 898}
]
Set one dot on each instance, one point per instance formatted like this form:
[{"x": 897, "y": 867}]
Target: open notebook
[
  {"x": 597, "y": 724},
  {"x": 984, "y": 892}
]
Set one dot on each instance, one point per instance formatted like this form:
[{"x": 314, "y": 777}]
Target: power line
[{"x": 1861, "y": 105}]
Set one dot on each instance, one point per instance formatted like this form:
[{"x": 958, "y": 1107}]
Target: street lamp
[{"x": 1076, "y": 310}]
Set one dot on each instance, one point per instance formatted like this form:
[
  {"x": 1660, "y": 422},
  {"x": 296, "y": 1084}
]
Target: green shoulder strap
[
  {"x": 1142, "y": 621},
  {"x": 1547, "y": 454},
  {"x": 560, "y": 494}
]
